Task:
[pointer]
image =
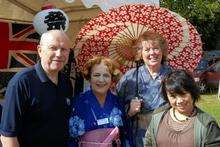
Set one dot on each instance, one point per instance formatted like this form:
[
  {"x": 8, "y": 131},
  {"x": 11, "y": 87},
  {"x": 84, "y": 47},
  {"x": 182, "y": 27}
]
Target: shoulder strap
[
  {"x": 199, "y": 131},
  {"x": 157, "y": 118},
  {"x": 200, "y": 126},
  {"x": 154, "y": 124}
]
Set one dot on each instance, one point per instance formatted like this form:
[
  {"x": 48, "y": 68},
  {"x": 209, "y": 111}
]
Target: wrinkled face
[
  {"x": 151, "y": 53},
  {"x": 54, "y": 53},
  {"x": 100, "y": 79},
  {"x": 182, "y": 103}
]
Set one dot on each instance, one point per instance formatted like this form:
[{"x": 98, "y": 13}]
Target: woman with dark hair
[
  {"x": 96, "y": 108},
  {"x": 182, "y": 124}
]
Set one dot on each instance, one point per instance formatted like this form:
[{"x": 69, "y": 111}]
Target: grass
[{"x": 210, "y": 104}]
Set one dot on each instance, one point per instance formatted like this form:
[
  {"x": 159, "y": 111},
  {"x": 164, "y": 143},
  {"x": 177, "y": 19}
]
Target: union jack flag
[{"x": 17, "y": 49}]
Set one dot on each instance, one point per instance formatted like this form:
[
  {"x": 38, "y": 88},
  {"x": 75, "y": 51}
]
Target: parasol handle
[{"x": 138, "y": 64}]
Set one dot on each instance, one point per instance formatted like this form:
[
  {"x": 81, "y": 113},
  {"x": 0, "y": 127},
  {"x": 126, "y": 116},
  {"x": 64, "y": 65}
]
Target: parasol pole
[
  {"x": 137, "y": 96},
  {"x": 138, "y": 64}
]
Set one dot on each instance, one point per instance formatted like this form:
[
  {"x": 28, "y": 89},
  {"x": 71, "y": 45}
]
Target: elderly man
[{"x": 35, "y": 112}]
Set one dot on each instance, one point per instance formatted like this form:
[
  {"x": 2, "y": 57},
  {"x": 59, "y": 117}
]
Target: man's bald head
[
  {"x": 54, "y": 50},
  {"x": 55, "y": 34}
]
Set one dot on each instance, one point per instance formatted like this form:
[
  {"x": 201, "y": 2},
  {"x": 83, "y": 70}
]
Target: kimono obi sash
[{"x": 104, "y": 137}]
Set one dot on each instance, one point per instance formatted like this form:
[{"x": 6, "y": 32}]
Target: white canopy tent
[{"x": 23, "y": 11}]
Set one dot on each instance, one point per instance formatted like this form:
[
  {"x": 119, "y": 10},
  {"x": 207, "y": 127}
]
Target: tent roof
[{"x": 25, "y": 10}]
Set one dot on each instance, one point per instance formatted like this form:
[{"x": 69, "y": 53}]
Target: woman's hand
[{"x": 135, "y": 106}]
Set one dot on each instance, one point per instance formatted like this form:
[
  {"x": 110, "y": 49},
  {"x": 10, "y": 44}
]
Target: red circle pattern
[{"x": 184, "y": 43}]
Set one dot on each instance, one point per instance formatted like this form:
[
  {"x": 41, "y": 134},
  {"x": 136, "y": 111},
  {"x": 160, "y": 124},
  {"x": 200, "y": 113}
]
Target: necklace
[{"x": 182, "y": 120}]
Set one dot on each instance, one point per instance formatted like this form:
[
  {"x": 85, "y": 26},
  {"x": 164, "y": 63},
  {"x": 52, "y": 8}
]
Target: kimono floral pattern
[
  {"x": 76, "y": 126},
  {"x": 88, "y": 115},
  {"x": 115, "y": 117}
]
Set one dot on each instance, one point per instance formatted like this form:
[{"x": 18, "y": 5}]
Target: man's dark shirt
[{"x": 35, "y": 109}]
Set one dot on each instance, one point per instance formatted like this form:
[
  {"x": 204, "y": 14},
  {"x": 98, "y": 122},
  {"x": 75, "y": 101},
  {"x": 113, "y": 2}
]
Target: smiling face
[
  {"x": 182, "y": 103},
  {"x": 54, "y": 51},
  {"x": 100, "y": 79},
  {"x": 151, "y": 53}
]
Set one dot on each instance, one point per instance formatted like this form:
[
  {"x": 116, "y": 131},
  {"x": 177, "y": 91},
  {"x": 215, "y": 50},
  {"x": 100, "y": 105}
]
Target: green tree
[{"x": 203, "y": 14}]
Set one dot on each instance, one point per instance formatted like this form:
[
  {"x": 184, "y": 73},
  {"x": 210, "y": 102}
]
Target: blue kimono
[
  {"x": 87, "y": 114},
  {"x": 149, "y": 90}
]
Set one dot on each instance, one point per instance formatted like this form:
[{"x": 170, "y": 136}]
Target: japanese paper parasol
[{"x": 114, "y": 34}]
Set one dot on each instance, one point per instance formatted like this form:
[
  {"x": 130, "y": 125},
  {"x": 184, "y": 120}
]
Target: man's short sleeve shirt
[{"x": 35, "y": 109}]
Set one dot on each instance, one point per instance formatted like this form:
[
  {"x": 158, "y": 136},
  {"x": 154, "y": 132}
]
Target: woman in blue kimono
[
  {"x": 139, "y": 88},
  {"x": 98, "y": 107}
]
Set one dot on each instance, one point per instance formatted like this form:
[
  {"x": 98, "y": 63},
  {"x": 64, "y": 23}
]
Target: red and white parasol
[{"x": 114, "y": 34}]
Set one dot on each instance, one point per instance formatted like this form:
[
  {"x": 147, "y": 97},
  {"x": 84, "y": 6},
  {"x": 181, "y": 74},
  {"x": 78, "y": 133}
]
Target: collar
[{"x": 41, "y": 73}]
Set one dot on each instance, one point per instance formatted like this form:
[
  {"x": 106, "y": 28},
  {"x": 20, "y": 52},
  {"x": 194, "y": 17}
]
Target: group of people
[{"x": 152, "y": 105}]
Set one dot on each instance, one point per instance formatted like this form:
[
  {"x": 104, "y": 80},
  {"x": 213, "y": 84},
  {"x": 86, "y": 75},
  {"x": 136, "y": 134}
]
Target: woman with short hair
[{"x": 182, "y": 124}]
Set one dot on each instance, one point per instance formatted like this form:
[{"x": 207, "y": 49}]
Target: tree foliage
[{"x": 203, "y": 14}]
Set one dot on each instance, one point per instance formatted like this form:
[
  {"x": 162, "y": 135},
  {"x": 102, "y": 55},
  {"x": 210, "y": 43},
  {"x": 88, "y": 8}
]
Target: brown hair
[
  {"x": 154, "y": 36},
  {"x": 97, "y": 60}
]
